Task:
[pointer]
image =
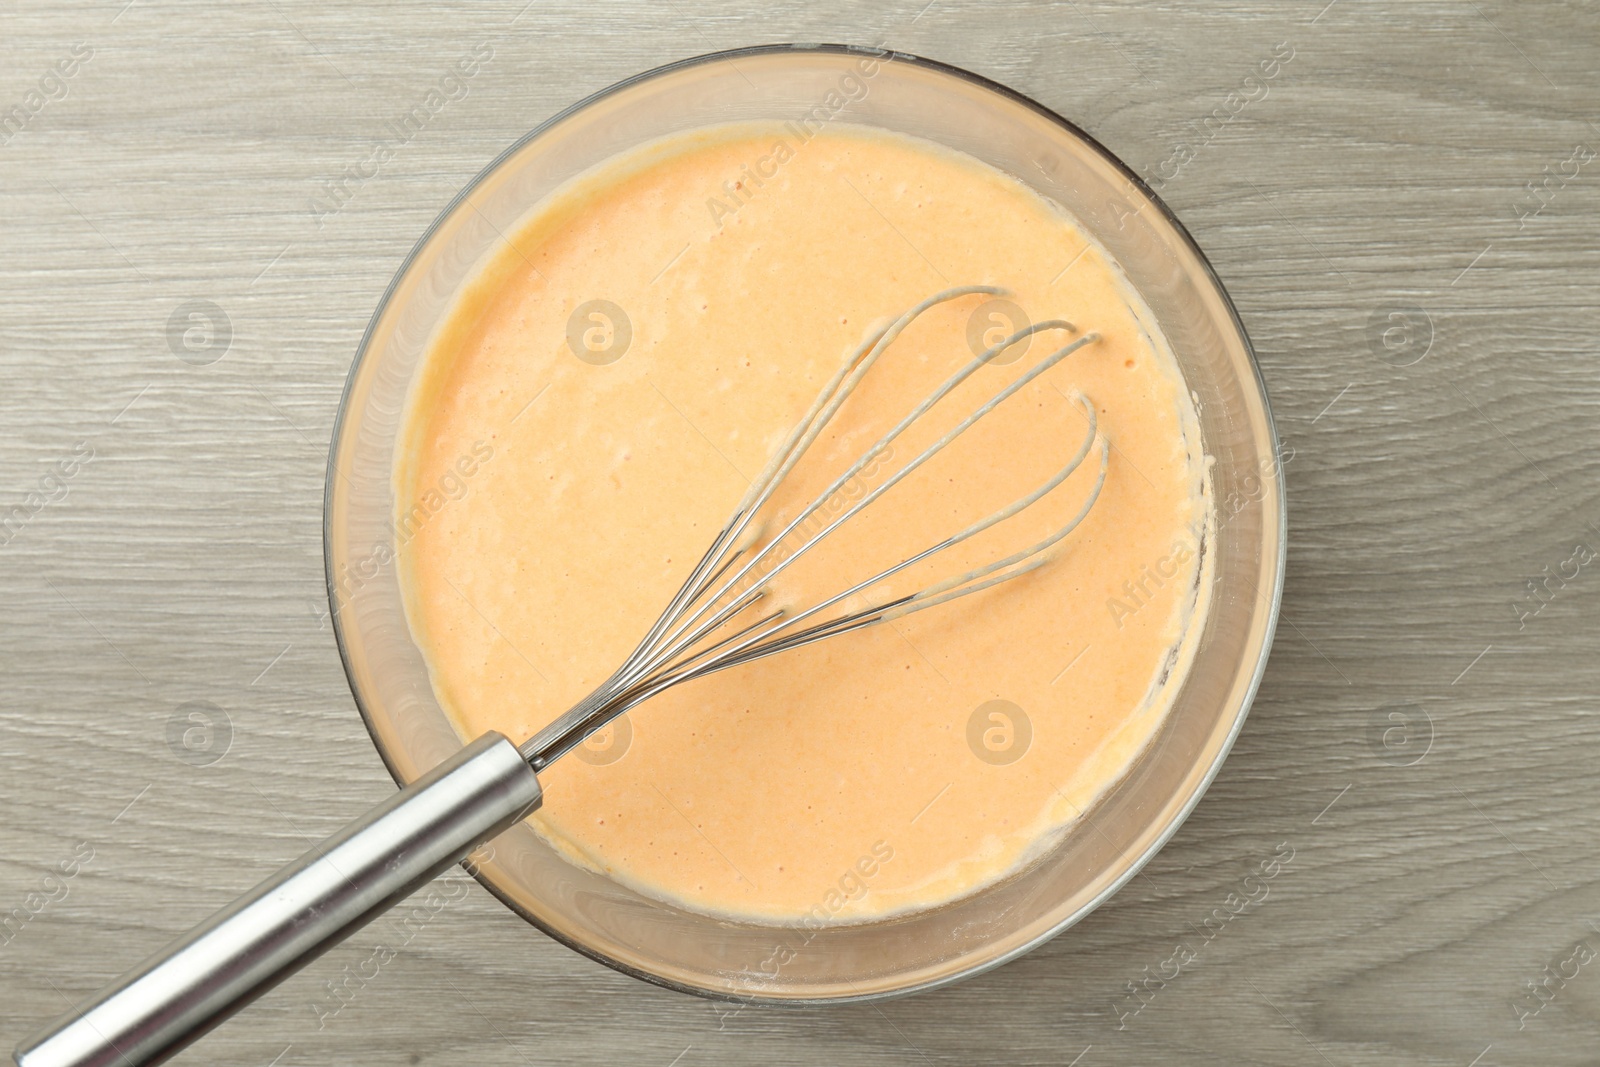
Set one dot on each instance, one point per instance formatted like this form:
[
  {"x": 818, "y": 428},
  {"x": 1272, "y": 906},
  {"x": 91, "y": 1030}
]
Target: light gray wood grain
[{"x": 1385, "y": 167}]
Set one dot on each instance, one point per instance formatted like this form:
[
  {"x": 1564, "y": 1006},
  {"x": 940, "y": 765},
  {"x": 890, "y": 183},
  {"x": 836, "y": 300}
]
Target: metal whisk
[{"x": 323, "y": 897}]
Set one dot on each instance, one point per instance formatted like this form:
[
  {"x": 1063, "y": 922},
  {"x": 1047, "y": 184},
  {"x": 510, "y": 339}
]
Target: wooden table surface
[{"x": 1408, "y": 220}]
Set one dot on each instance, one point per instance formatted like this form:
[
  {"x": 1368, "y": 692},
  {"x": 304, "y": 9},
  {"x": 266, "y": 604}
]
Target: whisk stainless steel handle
[
  {"x": 158, "y": 1008},
  {"x": 338, "y": 887}
]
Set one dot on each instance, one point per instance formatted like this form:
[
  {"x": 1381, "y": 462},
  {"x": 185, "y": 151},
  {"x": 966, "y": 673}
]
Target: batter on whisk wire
[{"x": 627, "y": 372}]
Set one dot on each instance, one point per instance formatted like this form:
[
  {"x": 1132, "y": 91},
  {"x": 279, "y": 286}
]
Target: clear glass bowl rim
[{"x": 1276, "y": 485}]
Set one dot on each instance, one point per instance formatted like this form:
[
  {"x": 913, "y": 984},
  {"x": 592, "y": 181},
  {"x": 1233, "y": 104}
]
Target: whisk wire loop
[{"x": 727, "y": 580}]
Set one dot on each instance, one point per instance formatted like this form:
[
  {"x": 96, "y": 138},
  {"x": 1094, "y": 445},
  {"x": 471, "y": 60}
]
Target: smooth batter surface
[{"x": 550, "y": 505}]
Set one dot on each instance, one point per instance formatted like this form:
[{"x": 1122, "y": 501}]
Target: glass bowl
[{"x": 716, "y": 957}]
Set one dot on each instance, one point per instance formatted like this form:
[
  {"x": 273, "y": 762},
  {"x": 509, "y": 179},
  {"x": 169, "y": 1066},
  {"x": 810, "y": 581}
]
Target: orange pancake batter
[{"x": 600, "y": 400}]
